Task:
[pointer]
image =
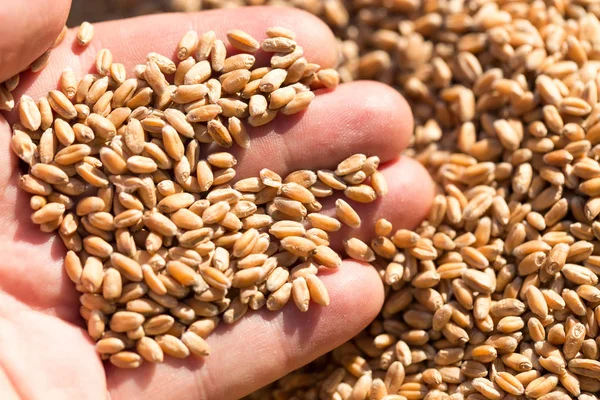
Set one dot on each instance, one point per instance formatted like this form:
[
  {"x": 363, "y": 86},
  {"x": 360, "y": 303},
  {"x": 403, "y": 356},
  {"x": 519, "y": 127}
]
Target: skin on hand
[
  {"x": 28, "y": 29},
  {"x": 44, "y": 353}
]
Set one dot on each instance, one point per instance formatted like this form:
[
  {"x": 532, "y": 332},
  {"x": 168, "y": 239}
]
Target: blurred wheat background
[{"x": 103, "y": 10}]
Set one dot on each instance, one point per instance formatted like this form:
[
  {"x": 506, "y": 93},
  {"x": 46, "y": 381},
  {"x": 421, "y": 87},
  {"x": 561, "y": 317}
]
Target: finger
[
  {"x": 263, "y": 346},
  {"x": 358, "y": 117},
  {"x": 28, "y": 29},
  {"x": 130, "y": 40}
]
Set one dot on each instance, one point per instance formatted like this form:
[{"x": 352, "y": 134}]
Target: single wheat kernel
[
  {"x": 272, "y": 80},
  {"x": 68, "y": 83},
  {"x": 85, "y": 33},
  {"x": 29, "y": 113},
  {"x": 242, "y": 41},
  {"x": 12, "y": 82},
  {"x": 104, "y": 60},
  {"x": 361, "y": 193},
  {"x": 329, "y": 78},
  {"x": 187, "y": 45},
  {"x": 346, "y": 214},
  {"x": 7, "y": 102},
  {"x": 218, "y": 55},
  {"x": 318, "y": 291},
  {"x": 358, "y": 250},
  {"x": 280, "y": 297},
  {"x": 41, "y": 62},
  {"x": 278, "y": 44},
  {"x": 195, "y": 343},
  {"x": 301, "y": 293}
]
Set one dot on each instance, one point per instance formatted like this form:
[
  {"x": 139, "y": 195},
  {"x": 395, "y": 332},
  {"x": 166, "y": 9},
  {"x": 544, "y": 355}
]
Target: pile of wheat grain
[
  {"x": 496, "y": 295},
  {"x": 161, "y": 242}
]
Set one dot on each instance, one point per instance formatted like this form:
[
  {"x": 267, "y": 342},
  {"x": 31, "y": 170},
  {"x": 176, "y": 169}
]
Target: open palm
[{"x": 45, "y": 352}]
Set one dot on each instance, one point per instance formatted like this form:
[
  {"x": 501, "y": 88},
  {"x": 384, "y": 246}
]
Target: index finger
[{"x": 130, "y": 40}]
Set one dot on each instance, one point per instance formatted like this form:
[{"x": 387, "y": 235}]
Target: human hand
[{"x": 45, "y": 353}]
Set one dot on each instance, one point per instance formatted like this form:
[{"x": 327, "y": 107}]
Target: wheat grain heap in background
[{"x": 496, "y": 295}]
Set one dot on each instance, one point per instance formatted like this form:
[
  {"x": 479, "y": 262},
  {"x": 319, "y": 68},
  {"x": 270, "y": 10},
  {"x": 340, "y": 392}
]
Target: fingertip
[
  {"x": 356, "y": 293},
  {"x": 411, "y": 189},
  {"x": 29, "y": 30}
]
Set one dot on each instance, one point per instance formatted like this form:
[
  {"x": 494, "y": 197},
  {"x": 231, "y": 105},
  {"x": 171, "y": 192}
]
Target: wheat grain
[{"x": 159, "y": 208}]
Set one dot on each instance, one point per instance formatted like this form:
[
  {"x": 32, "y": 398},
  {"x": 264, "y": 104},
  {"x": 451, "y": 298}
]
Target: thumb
[{"x": 28, "y": 30}]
